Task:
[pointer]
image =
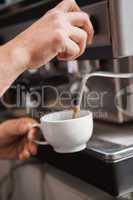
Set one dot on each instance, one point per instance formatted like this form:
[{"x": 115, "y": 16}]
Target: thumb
[
  {"x": 19, "y": 127},
  {"x": 67, "y": 6}
]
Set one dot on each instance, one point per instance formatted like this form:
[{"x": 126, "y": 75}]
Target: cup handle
[{"x": 37, "y": 141}]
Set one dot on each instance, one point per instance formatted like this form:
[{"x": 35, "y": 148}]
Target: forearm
[
  {"x": 63, "y": 32},
  {"x": 11, "y": 65}
]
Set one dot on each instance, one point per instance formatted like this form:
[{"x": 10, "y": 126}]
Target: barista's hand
[
  {"x": 63, "y": 31},
  {"x": 15, "y": 139}
]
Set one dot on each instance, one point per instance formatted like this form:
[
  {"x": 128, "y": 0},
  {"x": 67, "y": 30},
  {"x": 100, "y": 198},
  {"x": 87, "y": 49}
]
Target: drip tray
[
  {"x": 112, "y": 143},
  {"x": 107, "y": 163}
]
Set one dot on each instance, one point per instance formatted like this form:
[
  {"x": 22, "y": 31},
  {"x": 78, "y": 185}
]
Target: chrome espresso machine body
[{"x": 112, "y": 50}]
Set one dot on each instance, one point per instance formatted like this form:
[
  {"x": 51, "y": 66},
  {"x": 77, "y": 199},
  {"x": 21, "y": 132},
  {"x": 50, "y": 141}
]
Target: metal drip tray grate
[{"x": 112, "y": 143}]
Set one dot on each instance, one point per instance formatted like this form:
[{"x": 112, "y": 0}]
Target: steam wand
[{"x": 76, "y": 110}]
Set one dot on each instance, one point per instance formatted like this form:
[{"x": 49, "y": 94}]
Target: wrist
[
  {"x": 12, "y": 65},
  {"x": 14, "y": 56}
]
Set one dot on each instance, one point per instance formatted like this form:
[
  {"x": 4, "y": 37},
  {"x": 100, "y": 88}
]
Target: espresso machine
[
  {"x": 109, "y": 99},
  {"x": 111, "y": 51}
]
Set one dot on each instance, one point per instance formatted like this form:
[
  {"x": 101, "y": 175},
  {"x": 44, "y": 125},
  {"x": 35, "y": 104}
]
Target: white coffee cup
[{"x": 64, "y": 134}]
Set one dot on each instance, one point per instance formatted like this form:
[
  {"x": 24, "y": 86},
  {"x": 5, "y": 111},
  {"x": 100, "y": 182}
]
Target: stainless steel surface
[
  {"x": 102, "y": 29},
  {"x": 121, "y": 22},
  {"x": 113, "y": 25},
  {"x": 110, "y": 99},
  {"x": 110, "y": 152},
  {"x": 112, "y": 143},
  {"x": 100, "y": 74}
]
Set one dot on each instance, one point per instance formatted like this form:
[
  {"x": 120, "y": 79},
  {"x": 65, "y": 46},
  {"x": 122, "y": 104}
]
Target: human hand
[
  {"x": 15, "y": 139},
  {"x": 63, "y": 31}
]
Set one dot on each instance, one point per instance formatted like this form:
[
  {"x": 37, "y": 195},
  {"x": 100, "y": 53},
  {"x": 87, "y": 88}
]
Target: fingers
[
  {"x": 79, "y": 36},
  {"x": 18, "y": 127},
  {"x": 67, "y": 6},
  {"x": 76, "y": 44},
  {"x": 32, "y": 135},
  {"x": 32, "y": 148},
  {"x": 70, "y": 43},
  {"x": 72, "y": 51},
  {"x": 76, "y": 17},
  {"x": 29, "y": 148},
  {"x": 81, "y": 20},
  {"x": 75, "y": 35},
  {"x": 25, "y": 154}
]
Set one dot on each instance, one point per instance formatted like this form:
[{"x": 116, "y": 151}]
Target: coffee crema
[{"x": 76, "y": 112}]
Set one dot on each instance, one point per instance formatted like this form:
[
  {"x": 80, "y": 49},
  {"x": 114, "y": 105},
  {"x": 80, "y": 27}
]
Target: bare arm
[
  {"x": 64, "y": 32},
  {"x": 11, "y": 66}
]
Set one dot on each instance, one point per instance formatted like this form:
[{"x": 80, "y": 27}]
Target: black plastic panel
[
  {"x": 31, "y": 9},
  {"x": 113, "y": 178}
]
